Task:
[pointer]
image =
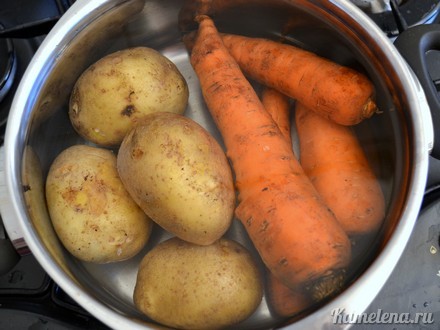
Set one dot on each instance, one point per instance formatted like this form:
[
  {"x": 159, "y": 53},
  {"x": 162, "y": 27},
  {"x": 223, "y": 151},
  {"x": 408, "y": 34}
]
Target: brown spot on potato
[
  {"x": 69, "y": 194},
  {"x": 137, "y": 153},
  {"x": 128, "y": 110},
  {"x": 75, "y": 101},
  {"x": 94, "y": 228}
]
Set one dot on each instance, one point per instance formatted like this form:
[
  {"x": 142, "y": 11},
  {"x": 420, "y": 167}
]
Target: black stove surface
[
  {"x": 410, "y": 12},
  {"x": 23, "y": 51},
  {"x": 29, "y": 299}
]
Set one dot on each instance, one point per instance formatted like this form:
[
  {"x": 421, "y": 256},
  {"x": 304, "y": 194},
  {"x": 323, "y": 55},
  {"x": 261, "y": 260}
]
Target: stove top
[
  {"x": 30, "y": 299},
  {"x": 393, "y": 16}
]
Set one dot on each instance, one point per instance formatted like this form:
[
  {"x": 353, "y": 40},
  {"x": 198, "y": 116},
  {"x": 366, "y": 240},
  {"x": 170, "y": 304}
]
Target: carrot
[
  {"x": 334, "y": 160},
  {"x": 284, "y": 301},
  {"x": 278, "y": 106},
  {"x": 296, "y": 235},
  {"x": 336, "y": 92}
]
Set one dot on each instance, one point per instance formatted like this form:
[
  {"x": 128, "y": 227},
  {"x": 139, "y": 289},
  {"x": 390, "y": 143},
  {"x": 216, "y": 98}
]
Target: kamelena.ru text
[{"x": 381, "y": 317}]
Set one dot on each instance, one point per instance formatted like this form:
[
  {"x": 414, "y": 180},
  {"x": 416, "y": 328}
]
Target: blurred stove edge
[
  {"x": 29, "y": 299},
  {"x": 433, "y": 180},
  {"x": 30, "y": 18}
]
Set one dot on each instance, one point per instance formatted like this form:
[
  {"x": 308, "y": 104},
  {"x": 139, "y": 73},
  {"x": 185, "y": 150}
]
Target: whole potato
[
  {"x": 92, "y": 213},
  {"x": 119, "y": 89},
  {"x": 179, "y": 175},
  {"x": 189, "y": 286}
]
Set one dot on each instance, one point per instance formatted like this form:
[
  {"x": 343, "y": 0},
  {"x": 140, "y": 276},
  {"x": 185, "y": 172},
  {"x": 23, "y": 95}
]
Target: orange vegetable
[
  {"x": 284, "y": 301},
  {"x": 335, "y": 162},
  {"x": 336, "y": 92},
  {"x": 296, "y": 235},
  {"x": 278, "y": 106}
]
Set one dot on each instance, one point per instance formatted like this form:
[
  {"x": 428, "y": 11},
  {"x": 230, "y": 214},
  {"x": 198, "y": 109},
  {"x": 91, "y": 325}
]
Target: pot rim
[{"x": 354, "y": 300}]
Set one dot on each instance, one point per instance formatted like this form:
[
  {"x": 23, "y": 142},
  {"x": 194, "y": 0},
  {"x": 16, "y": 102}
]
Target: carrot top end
[
  {"x": 327, "y": 286},
  {"x": 199, "y": 18},
  {"x": 369, "y": 109}
]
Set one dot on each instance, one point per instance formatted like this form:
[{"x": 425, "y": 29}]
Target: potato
[
  {"x": 179, "y": 175},
  {"x": 183, "y": 285},
  {"x": 93, "y": 215},
  {"x": 122, "y": 87}
]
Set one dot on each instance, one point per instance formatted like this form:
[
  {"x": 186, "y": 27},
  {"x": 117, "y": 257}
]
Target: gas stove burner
[
  {"x": 8, "y": 66},
  {"x": 411, "y": 12}
]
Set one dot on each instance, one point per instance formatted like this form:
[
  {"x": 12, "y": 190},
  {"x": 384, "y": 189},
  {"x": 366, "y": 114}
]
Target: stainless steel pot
[{"x": 397, "y": 140}]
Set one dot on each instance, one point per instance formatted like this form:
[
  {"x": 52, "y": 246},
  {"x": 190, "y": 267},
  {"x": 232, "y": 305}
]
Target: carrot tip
[
  {"x": 369, "y": 109},
  {"x": 328, "y": 285},
  {"x": 199, "y": 18}
]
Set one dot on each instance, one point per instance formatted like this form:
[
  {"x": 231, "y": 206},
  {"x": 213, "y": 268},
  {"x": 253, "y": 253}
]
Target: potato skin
[
  {"x": 188, "y": 286},
  {"x": 179, "y": 175},
  {"x": 120, "y": 88},
  {"x": 92, "y": 213}
]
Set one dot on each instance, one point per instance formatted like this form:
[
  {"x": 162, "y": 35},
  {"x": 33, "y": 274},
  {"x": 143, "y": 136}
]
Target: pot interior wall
[{"x": 47, "y": 130}]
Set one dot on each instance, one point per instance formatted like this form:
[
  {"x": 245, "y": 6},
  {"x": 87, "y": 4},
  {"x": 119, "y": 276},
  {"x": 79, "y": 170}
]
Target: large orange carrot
[
  {"x": 278, "y": 106},
  {"x": 334, "y": 160},
  {"x": 336, "y": 92},
  {"x": 284, "y": 301},
  {"x": 296, "y": 235}
]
